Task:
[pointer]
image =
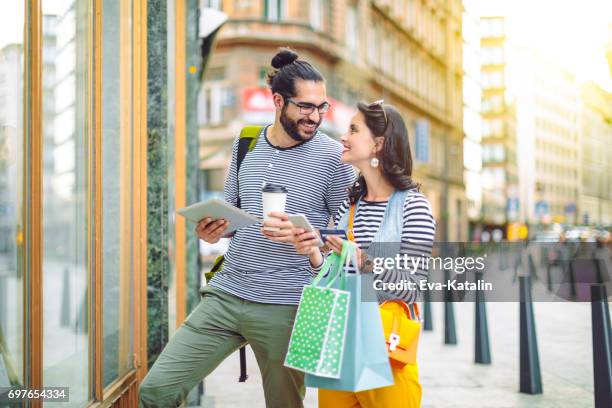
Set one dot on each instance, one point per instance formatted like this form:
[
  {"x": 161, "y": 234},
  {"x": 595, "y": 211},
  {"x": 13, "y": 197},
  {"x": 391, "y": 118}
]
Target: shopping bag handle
[
  {"x": 348, "y": 252},
  {"x": 337, "y": 261},
  {"x": 351, "y": 249}
]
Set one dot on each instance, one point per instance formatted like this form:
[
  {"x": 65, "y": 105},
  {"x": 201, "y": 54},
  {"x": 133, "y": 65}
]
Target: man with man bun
[{"x": 254, "y": 298}]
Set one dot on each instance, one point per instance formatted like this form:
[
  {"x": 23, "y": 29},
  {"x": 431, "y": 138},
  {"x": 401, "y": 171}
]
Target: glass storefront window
[
  {"x": 66, "y": 183},
  {"x": 117, "y": 189},
  {"x": 12, "y": 73}
]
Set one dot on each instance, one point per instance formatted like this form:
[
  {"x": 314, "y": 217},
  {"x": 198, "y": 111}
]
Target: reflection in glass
[
  {"x": 117, "y": 189},
  {"x": 11, "y": 193},
  {"x": 65, "y": 198}
]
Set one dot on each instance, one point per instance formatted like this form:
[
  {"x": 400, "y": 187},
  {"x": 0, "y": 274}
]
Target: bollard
[
  {"x": 572, "y": 278},
  {"x": 533, "y": 271},
  {"x": 543, "y": 255},
  {"x": 427, "y": 318},
  {"x": 65, "y": 313},
  {"x": 530, "y": 376},
  {"x": 482, "y": 350},
  {"x": 518, "y": 264},
  {"x": 81, "y": 324},
  {"x": 602, "y": 346},
  {"x": 450, "y": 332}
]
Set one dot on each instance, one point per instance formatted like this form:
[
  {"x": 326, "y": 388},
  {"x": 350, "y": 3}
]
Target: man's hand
[
  {"x": 283, "y": 228},
  {"x": 211, "y": 230},
  {"x": 305, "y": 242}
]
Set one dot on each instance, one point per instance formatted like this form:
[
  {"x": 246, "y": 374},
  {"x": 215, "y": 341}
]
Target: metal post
[
  {"x": 533, "y": 271},
  {"x": 427, "y": 318},
  {"x": 602, "y": 346},
  {"x": 65, "y": 309},
  {"x": 450, "y": 332},
  {"x": 530, "y": 376},
  {"x": 482, "y": 349}
]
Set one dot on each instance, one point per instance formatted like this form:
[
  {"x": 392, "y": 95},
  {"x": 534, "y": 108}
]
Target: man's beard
[{"x": 291, "y": 126}]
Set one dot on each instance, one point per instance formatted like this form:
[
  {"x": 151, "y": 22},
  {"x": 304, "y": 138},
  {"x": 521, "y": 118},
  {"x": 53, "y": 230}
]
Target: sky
[{"x": 572, "y": 31}]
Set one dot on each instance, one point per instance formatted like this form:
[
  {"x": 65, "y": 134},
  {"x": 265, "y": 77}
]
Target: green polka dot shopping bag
[{"x": 319, "y": 330}]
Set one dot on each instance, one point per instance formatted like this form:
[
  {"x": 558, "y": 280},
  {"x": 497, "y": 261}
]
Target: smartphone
[
  {"x": 327, "y": 232},
  {"x": 300, "y": 221}
]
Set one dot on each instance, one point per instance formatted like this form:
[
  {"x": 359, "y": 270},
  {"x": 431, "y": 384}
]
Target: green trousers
[{"x": 218, "y": 326}]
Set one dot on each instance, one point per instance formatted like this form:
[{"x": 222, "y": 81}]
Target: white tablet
[{"x": 217, "y": 209}]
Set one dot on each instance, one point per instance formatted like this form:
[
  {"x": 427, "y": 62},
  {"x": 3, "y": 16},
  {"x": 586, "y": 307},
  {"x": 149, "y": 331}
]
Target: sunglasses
[{"x": 379, "y": 104}]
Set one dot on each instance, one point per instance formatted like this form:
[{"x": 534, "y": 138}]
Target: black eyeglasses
[
  {"x": 308, "y": 108},
  {"x": 379, "y": 104}
]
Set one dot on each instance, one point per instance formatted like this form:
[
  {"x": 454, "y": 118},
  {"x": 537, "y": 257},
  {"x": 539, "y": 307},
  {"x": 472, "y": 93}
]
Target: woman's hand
[{"x": 335, "y": 244}]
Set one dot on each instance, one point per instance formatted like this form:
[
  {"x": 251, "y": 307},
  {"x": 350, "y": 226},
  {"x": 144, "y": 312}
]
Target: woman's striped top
[{"x": 418, "y": 232}]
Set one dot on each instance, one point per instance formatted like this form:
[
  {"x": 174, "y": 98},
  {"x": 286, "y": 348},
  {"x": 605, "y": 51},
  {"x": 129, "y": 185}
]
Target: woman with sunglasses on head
[{"x": 384, "y": 206}]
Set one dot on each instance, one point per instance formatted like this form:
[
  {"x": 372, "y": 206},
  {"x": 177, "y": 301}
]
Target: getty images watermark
[{"x": 418, "y": 267}]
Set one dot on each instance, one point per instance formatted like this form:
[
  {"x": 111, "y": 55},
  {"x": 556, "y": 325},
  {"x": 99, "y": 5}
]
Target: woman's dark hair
[
  {"x": 286, "y": 68},
  {"x": 395, "y": 157}
]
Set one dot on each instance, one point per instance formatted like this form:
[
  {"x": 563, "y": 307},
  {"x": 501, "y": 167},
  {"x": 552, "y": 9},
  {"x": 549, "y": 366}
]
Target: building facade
[
  {"x": 499, "y": 139},
  {"x": 408, "y": 53},
  {"x": 595, "y": 204},
  {"x": 548, "y": 128},
  {"x": 472, "y": 121}
]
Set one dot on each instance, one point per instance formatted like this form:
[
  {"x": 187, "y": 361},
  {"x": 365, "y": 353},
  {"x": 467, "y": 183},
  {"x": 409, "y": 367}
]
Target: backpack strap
[
  {"x": 246, "y": 143},
  {"x": 248, "y": 139}
]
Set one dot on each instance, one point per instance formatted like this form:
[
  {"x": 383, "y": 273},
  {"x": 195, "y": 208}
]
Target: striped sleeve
[
  {"x": 418, "y": 232},
  {"x": 341, "y": 211}
]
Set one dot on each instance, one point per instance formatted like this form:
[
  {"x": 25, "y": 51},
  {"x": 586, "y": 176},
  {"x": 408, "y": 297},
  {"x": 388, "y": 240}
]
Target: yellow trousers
[{"x": 404, "y": 393}]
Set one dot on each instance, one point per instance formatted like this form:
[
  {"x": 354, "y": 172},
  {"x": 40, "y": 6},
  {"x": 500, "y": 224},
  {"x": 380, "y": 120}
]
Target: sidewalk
[
  {"x": 451, "y": 379},
  {"x": 448, "y": 374}
]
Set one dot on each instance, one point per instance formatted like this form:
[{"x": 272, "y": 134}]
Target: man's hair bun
[{"x": 284, "y": 56}]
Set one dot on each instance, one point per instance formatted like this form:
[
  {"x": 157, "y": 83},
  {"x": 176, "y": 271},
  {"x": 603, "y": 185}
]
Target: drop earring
[{"x": 374, "y": 162}]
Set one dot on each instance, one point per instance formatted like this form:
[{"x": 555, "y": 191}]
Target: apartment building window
[
  {"x": 493, "y": 103},
  {"x": 412, "y": 12},
  {"x": 421, "y": 144},
  {"x": 213, "y": 4},
  {"x": 387, "y": 58},
  {"x": 263, "y": 72},
  {"x": 274, "y": 10},
  {"x": 412, "y": 75},
  {"x": 493, "y": 27},
  {"x": 493, "y": 79},
  {"x": 492, "y": 55},
  {"x": 373, "y": 45},
  {"x": 492, "y": 127},
  {"x": 493, "y": 153},
  {"x": 213, "y": 101},
  {"x": 352, "y": 34},
  {"x": 316, "y": 14}
]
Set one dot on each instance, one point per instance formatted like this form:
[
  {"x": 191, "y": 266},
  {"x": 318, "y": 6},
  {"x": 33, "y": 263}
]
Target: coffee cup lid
[{"x": 274, "y": 188}]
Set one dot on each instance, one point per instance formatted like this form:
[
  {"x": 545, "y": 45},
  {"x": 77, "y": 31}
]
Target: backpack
[{"x": 246, "y": 143}]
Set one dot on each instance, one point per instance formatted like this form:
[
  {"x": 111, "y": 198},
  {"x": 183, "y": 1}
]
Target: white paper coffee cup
[{"x": 274, "y": 198}]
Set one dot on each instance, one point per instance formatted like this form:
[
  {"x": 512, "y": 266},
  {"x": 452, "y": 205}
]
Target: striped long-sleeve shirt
[
  {"x": 256, "y": 268},
  {"x": 417, "y": 236}
]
